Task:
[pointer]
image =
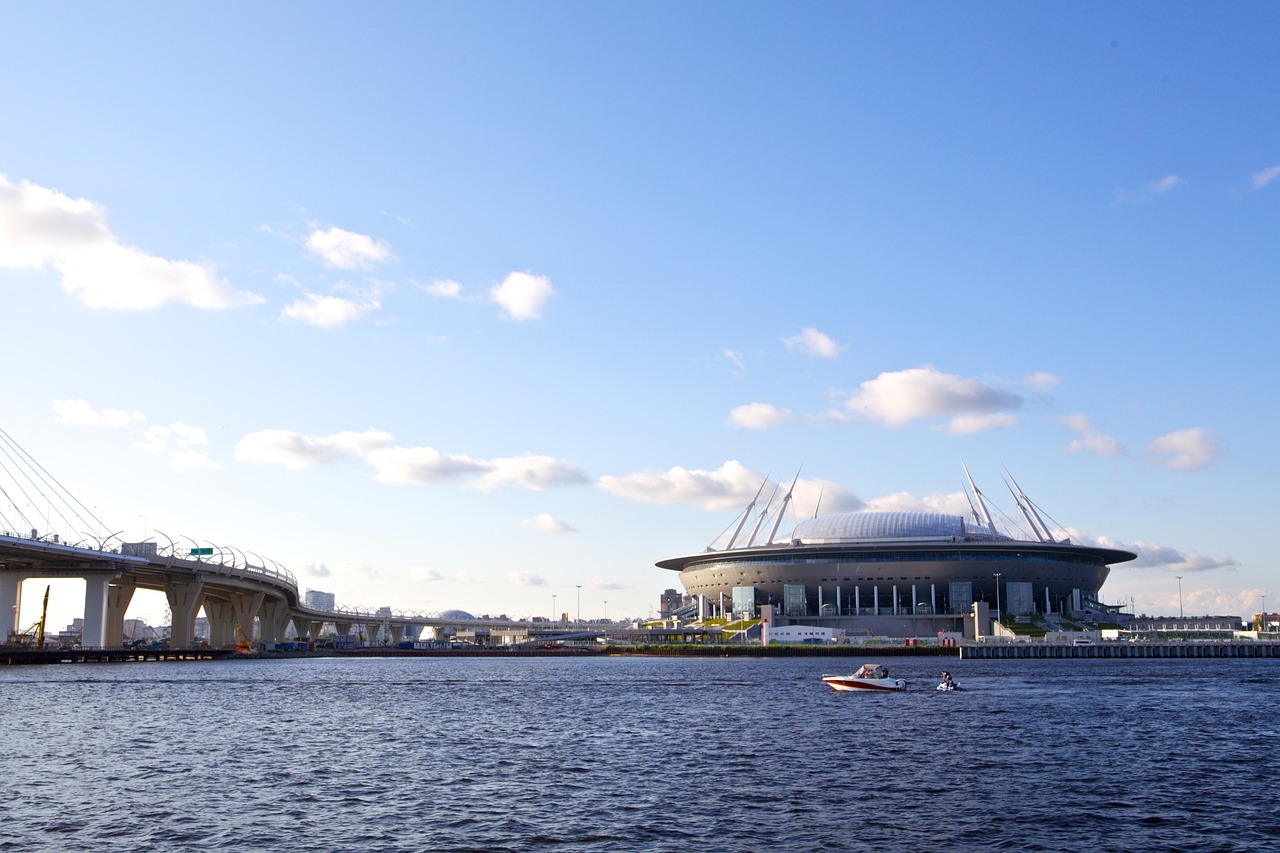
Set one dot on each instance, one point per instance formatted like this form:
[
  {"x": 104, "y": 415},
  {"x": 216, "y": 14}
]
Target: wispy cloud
[
  {"x": 925, "y": 393},
  {"x": 392, "y": 463},
  {"x": 1150, "y": 190},
  {"x": 184, "y": 446},
  {"x": 545, "y": 523},
  {"x": 1265, "y": 176},
  {"x": 347, "y": 250},
  {"x": 1091, "y": 439},
  {"x": 42, "y": 228},
  {"x": 82, "y": 413},
  {"x": 731, "y": 486},
  {"x": 526, "y": 579},
  {"x": 760, "y": 416},
  {"x": 1185, "y": 449},
  {"x": 327, "y": 312},
  {"x": 812, "y": 342},
  {"x": 1154, "y": 555},
  {"x": 522, "y": 295}
]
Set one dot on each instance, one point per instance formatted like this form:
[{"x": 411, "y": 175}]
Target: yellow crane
[{"x": 35, "y": 632}]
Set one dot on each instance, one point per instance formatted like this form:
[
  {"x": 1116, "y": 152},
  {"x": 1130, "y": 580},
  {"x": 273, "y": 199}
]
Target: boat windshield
[{"x": 873, "y": 670}]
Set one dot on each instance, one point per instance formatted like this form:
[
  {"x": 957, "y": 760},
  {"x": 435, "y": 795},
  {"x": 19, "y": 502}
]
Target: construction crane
[{"x": 35, "y": 634}]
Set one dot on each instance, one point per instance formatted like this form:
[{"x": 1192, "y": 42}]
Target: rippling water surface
[{"x": 638, "y": 754}]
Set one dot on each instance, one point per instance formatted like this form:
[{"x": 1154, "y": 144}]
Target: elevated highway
[{"x": 231, "y": 590}]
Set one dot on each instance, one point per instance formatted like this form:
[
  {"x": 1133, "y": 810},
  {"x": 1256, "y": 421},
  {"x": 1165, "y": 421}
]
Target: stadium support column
[
  {"x": 185, "y": 598},
  {"x": 11, "y": 601},
  {"x": 933, "y": 598},
  {"x": 119, "y": 594},
  {"x": 838, "y": 600},
  {"x": 875, "y": 606},
  {"x": 702, "y": 607},
  {"x": 857, "y": 601},
  {"x": 894, "y": 589},
  {"x": 94, "y": 635}
]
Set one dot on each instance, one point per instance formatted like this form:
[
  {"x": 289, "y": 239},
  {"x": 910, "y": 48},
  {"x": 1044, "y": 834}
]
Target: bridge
[{"x": 234, "y": 591}]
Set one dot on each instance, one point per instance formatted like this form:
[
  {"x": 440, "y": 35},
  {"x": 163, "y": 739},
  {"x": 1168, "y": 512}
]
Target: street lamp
[
  {"x": 579, "y": 602},
  {"x": 606, "y": 610},
  {"x": 553, "y": 608},
  {"x": 997, "y": 574},
  {"x": 1181, "y": 615}
]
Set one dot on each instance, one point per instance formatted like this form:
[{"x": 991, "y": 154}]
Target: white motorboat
[{"x": 869, "y": 677}]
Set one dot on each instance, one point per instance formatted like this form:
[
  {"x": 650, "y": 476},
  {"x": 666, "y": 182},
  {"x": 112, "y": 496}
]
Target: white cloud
[
  {"x": 446, "y": 288},
  {"x": 1261, "y": 178},
  {"x": 1091, "y": 439},
  {"x": 953, "y": 503},
  {"x": 315, "y": 570},
  {"x": 392, "y": 463},
  {"x": 296, "y": 451},
  {"x": 533, "y": 472},
  {"x": 421, "y": 465},
  {"x": 1040, "y": 381},
  {"x": 607, "y": 585},
  {"x": 735, "y": 361},
  {"x": 183, "y": 445},
  {"x": 545, "y": 523},
  {"x": 1163, "y": 185},
  {"x": 1154, "y": 555},
  {"x": 1160, "y": 186},
  {"x": 896, "y": 399},
  {"x": 1185, "y": 449},
  {"x": 970, "y": 424},
  {"x": 526, "y": 579},
  {"x": 760, "y": 416},
  {"x": 43, "y": 228},
  {"x": 522, "y": 295},
  {"x": 813, "y": 342},
  {"x": 732, "y": 486},
  {"x": 347, "y": 250},
  {"x": 82, "y": 413},
  {"x": 327, "y": 312}
]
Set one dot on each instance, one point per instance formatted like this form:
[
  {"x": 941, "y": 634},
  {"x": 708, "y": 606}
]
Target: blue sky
[{"x": 471, "y": 304}]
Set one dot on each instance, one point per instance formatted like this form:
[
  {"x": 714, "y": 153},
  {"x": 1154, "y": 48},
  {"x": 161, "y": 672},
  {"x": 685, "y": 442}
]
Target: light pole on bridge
[
  {"x": 579, "y": 602},
  {"x": 554, "y": 617}
]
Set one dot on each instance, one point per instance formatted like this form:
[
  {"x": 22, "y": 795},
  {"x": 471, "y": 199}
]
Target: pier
[{"x": 998, "y": 651}]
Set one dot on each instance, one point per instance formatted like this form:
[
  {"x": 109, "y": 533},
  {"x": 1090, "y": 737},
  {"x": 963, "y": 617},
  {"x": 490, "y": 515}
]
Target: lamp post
[
  {"x": 1181, "y": 615},
  {"x": 998, "y": 596},
  {"x": 606, "y": 610},
  {"x": 579, "y": 602},
  {"x": 553, "y": 608}
]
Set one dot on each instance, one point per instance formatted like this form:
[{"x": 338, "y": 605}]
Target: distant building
[
  {"x": 317, "y": 600},
  {"x": 671, "y": 600}
]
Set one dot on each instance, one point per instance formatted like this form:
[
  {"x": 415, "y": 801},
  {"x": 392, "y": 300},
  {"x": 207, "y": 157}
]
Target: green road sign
[{"x": 201, "y": 552}]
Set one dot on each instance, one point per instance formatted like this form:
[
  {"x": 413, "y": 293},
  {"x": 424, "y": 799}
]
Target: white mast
[
  {"x": 1048, "y": 536},
  {"x": 764, "y": 513},
  {"x": 782, "y": 510},
  {"x": 1017, "y": 500},
  {"x": 986, "y": 514},
  {"x": 746, "y": 513}
]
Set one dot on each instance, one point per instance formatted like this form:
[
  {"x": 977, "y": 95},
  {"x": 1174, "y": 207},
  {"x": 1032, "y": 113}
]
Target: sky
[{"x": 489, "y": 306}]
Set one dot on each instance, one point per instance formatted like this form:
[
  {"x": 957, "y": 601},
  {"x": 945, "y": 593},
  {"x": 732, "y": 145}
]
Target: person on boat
[{"x": 947, "y": 680}]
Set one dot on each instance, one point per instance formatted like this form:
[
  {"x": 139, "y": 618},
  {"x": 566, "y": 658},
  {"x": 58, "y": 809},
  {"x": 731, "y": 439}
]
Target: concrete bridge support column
[
  {"x": 95, "y": 612},
  {"x": 245, "y": 606},
  {"x": 10, "y": 601},
  {"x": 119, "y": 594},
  {"x": 273, "y": 618},
  {"x": 397, "y": 634},
  {"x": 342, "y": 629},
  {"x": 222, "y": 623},
  {"x": 185, "y": 598}
]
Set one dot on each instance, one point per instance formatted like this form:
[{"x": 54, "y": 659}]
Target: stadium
[{"x": 900, "y": 573}]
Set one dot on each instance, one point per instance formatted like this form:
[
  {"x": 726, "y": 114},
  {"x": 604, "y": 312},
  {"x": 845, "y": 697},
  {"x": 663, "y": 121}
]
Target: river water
[{"x": 568, "y": 754}]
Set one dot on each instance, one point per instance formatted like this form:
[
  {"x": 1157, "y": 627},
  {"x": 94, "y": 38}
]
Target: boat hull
[{"x": 848, "y": 683}]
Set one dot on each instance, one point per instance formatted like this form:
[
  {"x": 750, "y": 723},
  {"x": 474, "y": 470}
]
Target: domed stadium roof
[
  {"x": 455, "y": 614},
  {"x": 852, "y": 526}
]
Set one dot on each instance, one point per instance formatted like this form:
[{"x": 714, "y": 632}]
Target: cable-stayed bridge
[{"x": 236, "y": 589}]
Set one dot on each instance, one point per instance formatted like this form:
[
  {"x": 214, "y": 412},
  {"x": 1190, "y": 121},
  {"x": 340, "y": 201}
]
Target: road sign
[{"x": 201, "y": 552}]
